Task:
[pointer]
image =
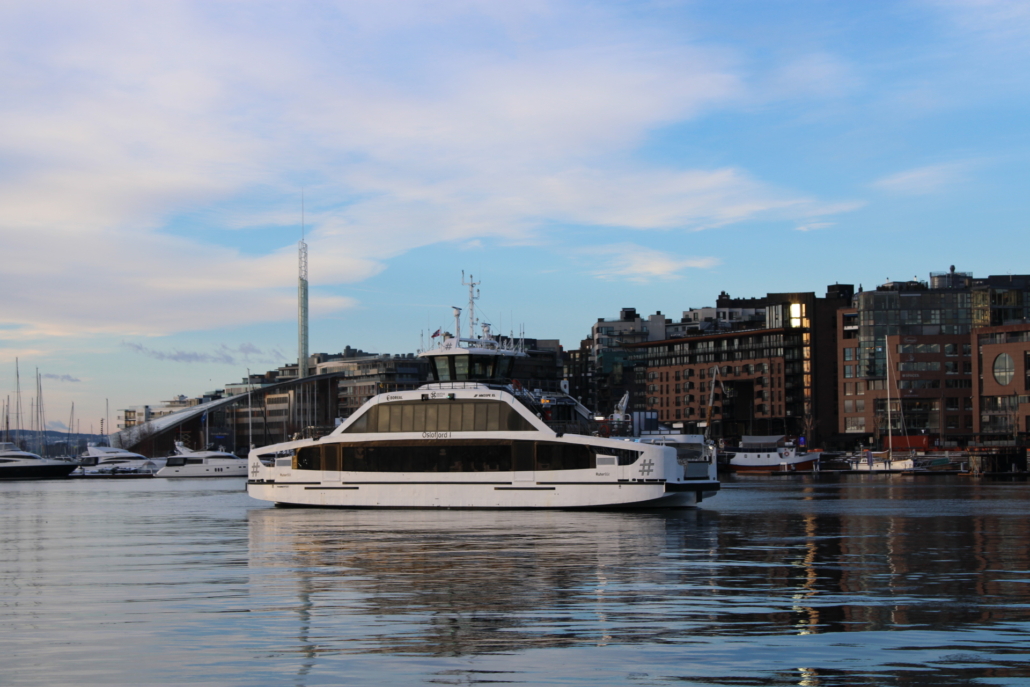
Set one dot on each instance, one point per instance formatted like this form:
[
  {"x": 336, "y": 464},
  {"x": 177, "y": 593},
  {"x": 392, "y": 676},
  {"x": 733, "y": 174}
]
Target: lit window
[{"x": 1004, "y": 369}]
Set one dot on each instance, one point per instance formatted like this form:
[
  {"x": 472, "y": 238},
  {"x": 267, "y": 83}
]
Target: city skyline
[{"x": 577, "y": 158}]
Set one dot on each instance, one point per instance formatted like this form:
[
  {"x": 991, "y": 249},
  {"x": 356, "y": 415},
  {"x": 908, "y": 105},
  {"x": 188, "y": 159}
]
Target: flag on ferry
[{"x": 435, "y": 334}]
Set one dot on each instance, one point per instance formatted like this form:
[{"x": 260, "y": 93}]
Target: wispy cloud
[
  {"x": 923, "y": 180},
  {"x": 223, "y": 355},
  {"x": 61, "y": 378},
  {"x": 814, "y": 226},
  {"x": 641, "y": 265}
]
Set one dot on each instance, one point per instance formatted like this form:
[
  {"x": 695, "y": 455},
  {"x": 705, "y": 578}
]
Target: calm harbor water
[{"x": 777, "y": 581}]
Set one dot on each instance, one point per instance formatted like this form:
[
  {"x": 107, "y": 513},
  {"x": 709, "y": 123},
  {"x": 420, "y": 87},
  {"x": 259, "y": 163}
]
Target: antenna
[
  {"x": 473, "y": 297},
  {"x": 302, "y": 298}
]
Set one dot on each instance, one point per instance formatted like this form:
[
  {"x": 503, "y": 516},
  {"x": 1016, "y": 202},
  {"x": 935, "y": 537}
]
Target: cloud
[
  {"x": 923, "y": 180},
  {"x": 61, "y": 378},
  {"x": 997, "y": 23},
  {"x": 813, "y": 226},
  {"x": 223, "y": 355},
  {"x": 56, "y": 426},
  {"x": 639, "y": 264},
  {"x": 136, "y": 172}
]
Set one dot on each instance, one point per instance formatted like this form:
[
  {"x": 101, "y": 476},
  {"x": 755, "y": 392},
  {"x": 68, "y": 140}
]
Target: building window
[
  {"x": 860, "y": 388},
  {"x": 849, "y": 354},
  {"x": 849, "y": 371},
  {"x": 951, "y": 422},
  {"x": 854, "y": 424},
  {"x": 860, "y": 405},
  {"x": 951, "y": 403},
  {"x": 849, "y": 406},
  {"x": 849, "y": 389},
  {"x": 1004, "y": 369}
]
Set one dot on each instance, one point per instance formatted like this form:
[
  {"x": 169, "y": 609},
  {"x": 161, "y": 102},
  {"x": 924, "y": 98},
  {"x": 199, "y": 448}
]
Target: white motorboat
[
  {"x": 190, "y": 463},
  {"x": 765, "y": 454},
  {"x": 473, "y": 438},
  {"x": 16, "y": 464},
  {"x": 107, "y": 461}
]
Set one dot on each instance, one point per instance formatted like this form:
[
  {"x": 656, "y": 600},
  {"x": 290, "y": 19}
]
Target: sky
[{"x": 159, "y": 162}]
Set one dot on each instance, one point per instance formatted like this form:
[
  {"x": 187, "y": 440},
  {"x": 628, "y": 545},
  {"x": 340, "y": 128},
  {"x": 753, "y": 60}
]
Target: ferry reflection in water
[
  {"x": 883, "y": 581},
  {"x": 462, "y": 582}
]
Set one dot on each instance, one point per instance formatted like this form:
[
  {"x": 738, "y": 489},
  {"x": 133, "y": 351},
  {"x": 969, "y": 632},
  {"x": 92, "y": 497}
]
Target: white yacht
[
  {"x": 18, "y": 464},
  {"x": 474, "y": 438},
  {"x": 765, "y": 454},
  {"x": 190, "y": 463},
  {"x": 106, "y": 461}
]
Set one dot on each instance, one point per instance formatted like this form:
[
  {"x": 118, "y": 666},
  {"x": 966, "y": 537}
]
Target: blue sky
[{"x": 577, "y": 157}]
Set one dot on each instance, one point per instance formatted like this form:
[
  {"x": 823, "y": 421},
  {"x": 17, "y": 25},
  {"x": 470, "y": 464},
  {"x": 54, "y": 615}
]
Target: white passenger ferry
[{"x": 472, "y": 438}]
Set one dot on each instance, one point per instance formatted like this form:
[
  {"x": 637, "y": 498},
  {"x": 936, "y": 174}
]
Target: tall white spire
[{"x": 302, "y": 300}]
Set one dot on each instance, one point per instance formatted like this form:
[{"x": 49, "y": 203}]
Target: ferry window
[
  {"x": 482, "y": 366},
  {"x": 504, "y": 367},
  {"x": 331, "y": 457},
  {"x": 555, "y": 456},
  {"x": 308, "y": 458},
  {"x": 441, "y": 416},
  {"x": 428, "y": 457},
  {"x": 481, "y": 417},
  {"x": 361, "y": 424},
  {"x": 468, "y": 417},
  {"x": 461, "y": 367},
  {"x": 523, "y": 455},
  {"x": 443, "y": 373}
]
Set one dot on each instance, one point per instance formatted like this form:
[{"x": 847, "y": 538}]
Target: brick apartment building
[
  {"x": 1001, "y": 370},
  {"x": 928, "y": 333},
  {"x": 776, "y": 379}
]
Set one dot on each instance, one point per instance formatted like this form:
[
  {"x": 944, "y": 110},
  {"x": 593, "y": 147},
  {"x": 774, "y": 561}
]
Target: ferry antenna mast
[{"x": 473, "y": 297}]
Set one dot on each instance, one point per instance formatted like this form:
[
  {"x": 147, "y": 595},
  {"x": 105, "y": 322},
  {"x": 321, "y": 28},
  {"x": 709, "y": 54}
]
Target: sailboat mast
[
  {"x": 42, "y": 414},
  {"x": 71, "y": 425},
  {"x": 890, "y": 436},
  {"x": 17, "y": 400}
]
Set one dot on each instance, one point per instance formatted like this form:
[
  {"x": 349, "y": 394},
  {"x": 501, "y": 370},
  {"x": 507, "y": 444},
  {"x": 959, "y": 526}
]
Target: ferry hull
[{"x": 369, "y": 493}]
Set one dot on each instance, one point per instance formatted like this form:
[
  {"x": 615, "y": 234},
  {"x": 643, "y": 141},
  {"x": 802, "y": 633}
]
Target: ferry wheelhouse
[{"x": 475, "y": 438}]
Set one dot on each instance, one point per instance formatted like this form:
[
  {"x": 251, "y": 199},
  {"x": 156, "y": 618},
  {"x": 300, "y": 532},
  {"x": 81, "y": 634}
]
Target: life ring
[{"x": 604, "y": 430}]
